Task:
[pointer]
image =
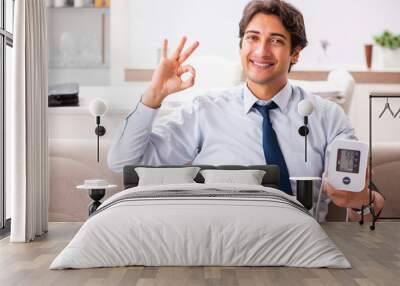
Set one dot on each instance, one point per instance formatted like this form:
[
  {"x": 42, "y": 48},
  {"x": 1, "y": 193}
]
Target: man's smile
[{"x": 262, "y": 64}]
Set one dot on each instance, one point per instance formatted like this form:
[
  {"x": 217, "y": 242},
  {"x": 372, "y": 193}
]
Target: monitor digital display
[{"x": 348, "y": 161}]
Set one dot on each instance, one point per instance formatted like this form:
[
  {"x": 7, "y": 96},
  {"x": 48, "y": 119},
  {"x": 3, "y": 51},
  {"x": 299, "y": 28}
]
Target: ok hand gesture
[{"x": 167, "y": 76}]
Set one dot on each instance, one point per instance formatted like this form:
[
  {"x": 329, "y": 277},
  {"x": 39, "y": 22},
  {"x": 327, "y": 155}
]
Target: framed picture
[{"x": 78, "y": 37}]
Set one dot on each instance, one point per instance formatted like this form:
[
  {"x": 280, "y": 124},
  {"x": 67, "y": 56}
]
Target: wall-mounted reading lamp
[{"x": 97, "y": 108}]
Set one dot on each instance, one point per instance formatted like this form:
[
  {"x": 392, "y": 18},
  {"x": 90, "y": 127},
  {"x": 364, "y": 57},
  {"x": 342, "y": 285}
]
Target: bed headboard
[{"x": 270, "y": 179}]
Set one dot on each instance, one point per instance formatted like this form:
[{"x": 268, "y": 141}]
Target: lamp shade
[
  {"x": 305, "y": 107},
  {"x": 97, "y": 107}
]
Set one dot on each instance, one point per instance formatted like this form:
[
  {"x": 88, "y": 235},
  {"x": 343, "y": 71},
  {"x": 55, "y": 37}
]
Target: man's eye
[
  {"x": 251, "y": 38},
  {"x": 277, "y": 41}
]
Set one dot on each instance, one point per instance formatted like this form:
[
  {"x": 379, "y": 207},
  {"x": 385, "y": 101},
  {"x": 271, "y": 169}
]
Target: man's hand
[
  {"x": 167, "y": 76},
  {"x": 346, "y": 199},
  {"x": 354, "y": 199}
]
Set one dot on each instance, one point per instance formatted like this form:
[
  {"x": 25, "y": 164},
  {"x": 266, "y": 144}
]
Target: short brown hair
[{"x": 291, "y": 18}]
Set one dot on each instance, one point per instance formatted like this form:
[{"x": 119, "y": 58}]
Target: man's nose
[{"x": 263, "y": 48}]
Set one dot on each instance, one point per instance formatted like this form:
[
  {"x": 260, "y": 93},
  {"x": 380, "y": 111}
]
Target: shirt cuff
[
  {"x": 144, "y": 112},
  {"x": 141, "y": 113}
]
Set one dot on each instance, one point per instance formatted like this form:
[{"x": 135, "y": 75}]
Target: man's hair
[{"x": 291, "y": 18}]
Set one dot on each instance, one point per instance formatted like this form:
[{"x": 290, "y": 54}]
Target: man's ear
[{"x": 295, "y": 55}]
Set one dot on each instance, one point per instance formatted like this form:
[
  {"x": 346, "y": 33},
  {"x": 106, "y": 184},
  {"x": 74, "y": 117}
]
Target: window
[{"x": 6, "y": 44}]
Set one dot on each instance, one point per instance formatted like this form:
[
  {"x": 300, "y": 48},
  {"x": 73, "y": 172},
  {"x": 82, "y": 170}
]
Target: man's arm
[
  {"x": 341, "y": 127},
  {"x": 174, "y": 142},
  {"x": 352, "y": 200},
  {"x": 138, "y": 141}
]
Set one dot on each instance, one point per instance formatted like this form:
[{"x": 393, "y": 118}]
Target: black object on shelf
[
  {"x": 63, "y": 100},
  {"x": 63, "y": 95}
]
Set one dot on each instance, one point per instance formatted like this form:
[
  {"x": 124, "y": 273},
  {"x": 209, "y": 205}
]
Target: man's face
[{"x": 265, "y": 52}]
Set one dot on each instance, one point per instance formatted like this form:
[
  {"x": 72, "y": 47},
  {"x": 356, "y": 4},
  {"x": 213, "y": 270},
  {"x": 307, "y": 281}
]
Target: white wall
[
  {"x": 347, "y": 25},
  {"x": 83, "y": 76},
  {"x": 385, "y": 129}
]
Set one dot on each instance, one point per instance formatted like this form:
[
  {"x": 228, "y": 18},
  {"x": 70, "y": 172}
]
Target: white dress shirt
[{"x": 223, "y": 128}]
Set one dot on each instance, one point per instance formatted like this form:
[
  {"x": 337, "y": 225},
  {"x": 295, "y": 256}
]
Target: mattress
[{"x": 201, "y": 225}]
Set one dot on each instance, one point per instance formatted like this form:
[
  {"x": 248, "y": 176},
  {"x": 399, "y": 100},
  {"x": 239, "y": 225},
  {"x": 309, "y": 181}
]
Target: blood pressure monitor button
[{"x": 346, "y": 180}]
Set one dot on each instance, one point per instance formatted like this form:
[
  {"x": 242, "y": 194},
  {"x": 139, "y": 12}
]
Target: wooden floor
[{"x": 375, "y": 257}]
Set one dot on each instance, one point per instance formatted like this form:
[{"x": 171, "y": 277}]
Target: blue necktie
[{"x": 272, "y": 151}]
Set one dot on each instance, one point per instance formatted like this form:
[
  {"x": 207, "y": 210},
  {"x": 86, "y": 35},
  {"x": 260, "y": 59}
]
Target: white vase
[
  {"x": 79, "y": 3},
  {"x": 388, "y": 58},
  {"x": 60, "y": 3}
]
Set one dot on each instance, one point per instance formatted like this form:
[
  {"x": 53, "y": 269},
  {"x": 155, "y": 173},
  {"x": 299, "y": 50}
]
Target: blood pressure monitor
[{"x": 348, "y": 165}]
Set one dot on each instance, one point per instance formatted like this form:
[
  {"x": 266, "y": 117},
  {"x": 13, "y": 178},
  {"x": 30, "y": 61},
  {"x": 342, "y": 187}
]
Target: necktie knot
[{"x": 264, "y": 109}]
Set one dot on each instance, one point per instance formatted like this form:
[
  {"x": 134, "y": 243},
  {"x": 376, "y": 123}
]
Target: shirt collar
[{"x": 281, "y": 98}]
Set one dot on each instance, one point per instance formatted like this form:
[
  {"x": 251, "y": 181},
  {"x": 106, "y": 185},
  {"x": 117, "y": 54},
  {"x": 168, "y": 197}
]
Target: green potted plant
[{"x": 389, "y": 49}]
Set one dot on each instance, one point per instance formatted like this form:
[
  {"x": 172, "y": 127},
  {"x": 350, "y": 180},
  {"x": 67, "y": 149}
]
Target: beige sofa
[
  {"x": 386, "y": 175},
  {"x": 72, "y": 161}
]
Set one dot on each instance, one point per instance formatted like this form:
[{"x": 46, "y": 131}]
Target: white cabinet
[{"x": 79, "y": 45}]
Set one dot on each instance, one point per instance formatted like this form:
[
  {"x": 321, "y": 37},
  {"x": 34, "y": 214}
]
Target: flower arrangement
[
  {"x": 388, "y": 54},
  {"x": 387, "y": 40}
]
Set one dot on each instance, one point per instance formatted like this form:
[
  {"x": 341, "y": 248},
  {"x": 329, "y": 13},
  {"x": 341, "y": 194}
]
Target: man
[{"x": 256, "y": 123}]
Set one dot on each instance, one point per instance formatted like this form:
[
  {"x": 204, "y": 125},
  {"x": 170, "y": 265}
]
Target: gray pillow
[
  {"x": 248, "y": 177},
  {"x": 163, "y": 176}
]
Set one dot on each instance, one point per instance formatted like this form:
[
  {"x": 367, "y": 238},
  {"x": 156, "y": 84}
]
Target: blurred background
[{"x": 109, "y": 49}]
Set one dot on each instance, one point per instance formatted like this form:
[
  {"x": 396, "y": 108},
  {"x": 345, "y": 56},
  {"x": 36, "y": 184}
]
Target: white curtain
[{"x": 28, "y": 123}]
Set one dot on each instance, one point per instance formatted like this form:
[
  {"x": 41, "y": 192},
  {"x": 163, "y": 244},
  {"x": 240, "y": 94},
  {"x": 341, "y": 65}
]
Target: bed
[{"x": 201, "y": 224}]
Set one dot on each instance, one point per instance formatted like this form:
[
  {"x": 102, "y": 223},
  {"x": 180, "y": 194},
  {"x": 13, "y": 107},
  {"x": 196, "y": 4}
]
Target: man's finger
[
  {"x": 185, "y": 69},
  {"x": 188, "y": 52},
  {"x": 164, "y": 52},
  {"x": 344, "y": 198},
  {"x": 178, "y": 50},
  {"x": 190, "y": 81},
  {"x": 331, "y": 190}
]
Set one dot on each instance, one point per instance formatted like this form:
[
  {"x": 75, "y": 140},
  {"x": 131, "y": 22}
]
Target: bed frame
[{"x": 270, "y": 179}]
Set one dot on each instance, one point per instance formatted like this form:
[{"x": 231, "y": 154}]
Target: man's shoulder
[
  {"x": 220, "y": 96},
  {"x": 320, "y": 103}
]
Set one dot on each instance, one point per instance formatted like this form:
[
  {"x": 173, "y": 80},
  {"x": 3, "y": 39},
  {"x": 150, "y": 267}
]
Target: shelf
[
  {"x": 360, "y": 76},
  {"x": 94, "y": 67},
  {"x": 79, "y": 8},
  {"x": 372, "y": 76}
]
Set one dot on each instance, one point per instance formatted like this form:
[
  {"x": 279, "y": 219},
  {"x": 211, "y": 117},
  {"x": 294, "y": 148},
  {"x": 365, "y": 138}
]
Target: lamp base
[
  {"x": 100, "y": 130},
  {"x": 304, "y": 190},
  {"x": 96, "y": 195},
  {"x": 304, "y": 193}
]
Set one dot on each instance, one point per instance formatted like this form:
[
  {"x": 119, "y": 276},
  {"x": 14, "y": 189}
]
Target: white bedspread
[{"x": 186, "y": 230}]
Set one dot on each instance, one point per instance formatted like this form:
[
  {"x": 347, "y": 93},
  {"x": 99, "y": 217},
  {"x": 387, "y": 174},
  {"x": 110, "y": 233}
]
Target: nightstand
[{"x": 97, "y": 190}]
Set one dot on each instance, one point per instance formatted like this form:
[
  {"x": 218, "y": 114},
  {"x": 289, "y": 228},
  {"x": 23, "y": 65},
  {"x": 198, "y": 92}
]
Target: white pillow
[
  {"x": 163, "y": 176},
  {"x": 248, "y": 177}
]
